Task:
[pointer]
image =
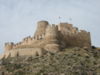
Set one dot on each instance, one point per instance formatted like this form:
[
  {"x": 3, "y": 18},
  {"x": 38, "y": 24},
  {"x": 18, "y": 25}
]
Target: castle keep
[{"x": 51, "y": 38}]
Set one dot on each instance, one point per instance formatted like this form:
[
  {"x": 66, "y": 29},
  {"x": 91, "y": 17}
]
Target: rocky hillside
[{"x": 71, "y": 61}]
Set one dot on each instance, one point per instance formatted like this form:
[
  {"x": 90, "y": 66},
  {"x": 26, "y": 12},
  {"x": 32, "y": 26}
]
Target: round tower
[
  {"x": 8, "y": 46},
  {"x": 41, "y": 28}
]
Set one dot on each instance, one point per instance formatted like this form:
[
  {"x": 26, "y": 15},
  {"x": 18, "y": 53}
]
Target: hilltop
[{"x": 70, "y": 61}]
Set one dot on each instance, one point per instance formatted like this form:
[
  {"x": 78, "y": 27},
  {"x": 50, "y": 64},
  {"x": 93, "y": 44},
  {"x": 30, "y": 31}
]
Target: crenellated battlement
[{"x": 9, "y": 46}]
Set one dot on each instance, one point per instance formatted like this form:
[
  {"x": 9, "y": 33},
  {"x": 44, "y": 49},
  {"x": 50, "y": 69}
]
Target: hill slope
[{"x": 71, "y": 61}]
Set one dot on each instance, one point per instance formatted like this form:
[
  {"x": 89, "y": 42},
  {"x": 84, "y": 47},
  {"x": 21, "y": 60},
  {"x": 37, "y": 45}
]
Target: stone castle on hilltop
[{"x": 51, "y": 38}]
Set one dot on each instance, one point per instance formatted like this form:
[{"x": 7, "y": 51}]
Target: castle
[{"x": 51, "y": 38}]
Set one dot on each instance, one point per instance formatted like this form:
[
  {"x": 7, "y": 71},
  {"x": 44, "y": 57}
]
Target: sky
[{"x": 18, "y": 18}]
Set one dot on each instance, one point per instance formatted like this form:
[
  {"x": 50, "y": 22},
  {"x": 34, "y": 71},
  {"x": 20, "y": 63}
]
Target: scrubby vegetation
[{"x": 71, "y": 61}]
